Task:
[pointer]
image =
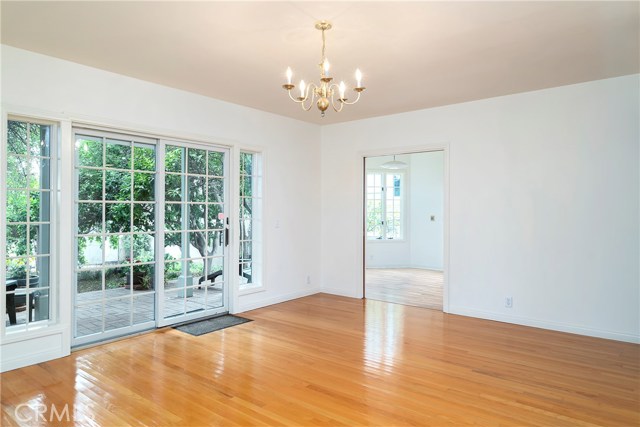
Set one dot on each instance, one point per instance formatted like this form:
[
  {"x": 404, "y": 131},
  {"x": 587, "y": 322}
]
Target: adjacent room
[
  {"x": 320, "y": 213},
  {"x": 404, "y": 220}
]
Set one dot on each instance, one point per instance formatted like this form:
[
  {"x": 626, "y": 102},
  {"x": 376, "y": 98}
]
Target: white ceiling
[{"x": 413, "y": 55}]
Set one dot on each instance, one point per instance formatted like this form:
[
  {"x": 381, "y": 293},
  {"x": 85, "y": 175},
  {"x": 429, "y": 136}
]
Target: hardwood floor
[
  {"x": 408, "y": 286},
  {"x": 329, "y": 360}
]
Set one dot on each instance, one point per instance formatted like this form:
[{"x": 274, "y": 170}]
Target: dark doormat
[{"x": 210, "y": 325}]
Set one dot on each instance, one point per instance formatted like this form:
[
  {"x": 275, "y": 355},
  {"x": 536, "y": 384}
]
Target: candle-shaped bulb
[
  {"x": 358, "y": 78},
  {"x": 342, "y": 88},
  {"x": 302, "y": 88},
  {"x": 325, "y": 67},
  {"x": 289, "y": 75}
]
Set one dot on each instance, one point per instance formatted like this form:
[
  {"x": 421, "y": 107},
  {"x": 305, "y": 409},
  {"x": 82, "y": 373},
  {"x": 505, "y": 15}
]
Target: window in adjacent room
[{"x": 384, "y": 205}]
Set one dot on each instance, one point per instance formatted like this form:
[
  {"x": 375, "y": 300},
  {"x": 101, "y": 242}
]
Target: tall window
[
  {"x": 115, "y": 233},
  {"x": 28, "y": 222},
  {"x": 250, "y": 257},
  {"x": 384, "y": 204}
]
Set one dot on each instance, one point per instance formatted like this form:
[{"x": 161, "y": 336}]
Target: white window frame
[
  {"x": 257, "y": 226},
  {"x": 53, "y": 288},
  {"x": 403, "y": 204}
]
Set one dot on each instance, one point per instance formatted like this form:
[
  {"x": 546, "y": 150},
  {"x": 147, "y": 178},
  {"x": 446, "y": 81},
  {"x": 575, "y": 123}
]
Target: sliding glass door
[
  {"x": 151, "y": 233},
  {"x": 196, "y": 229},
  {"x": 115, "y": 235}
]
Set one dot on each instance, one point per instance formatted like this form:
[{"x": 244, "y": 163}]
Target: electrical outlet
[
  {"x": 508, "y": 302},
  {"x": 308, "y": 280}
]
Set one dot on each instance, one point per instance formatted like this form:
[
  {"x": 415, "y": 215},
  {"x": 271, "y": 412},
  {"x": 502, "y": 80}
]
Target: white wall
[
  {"x": 427, "y": 199},
  {"x": 45, "y": 86},
  {"x": 543, "y": 202}
]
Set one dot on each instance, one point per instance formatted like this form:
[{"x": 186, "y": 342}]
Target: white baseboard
[
  {"x": 340, "y": 292},
  {"x": 544, "y": 324},
  {"x": 420, "y": 267},
  {"x": 276, "y": 300},
  {"x": 41, "y": 346}
]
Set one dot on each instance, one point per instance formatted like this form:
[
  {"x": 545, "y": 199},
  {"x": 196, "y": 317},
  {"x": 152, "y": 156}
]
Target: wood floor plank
[
  {"x": 408, "y": 286},
  {"x": 329, "y": 360}
]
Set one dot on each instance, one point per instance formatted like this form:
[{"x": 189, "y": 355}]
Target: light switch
[{"x": 433, "y": 217}]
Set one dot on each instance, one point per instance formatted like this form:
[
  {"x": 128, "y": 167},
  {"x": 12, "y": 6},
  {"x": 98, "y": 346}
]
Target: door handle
[{"x": 226, "y": 233}]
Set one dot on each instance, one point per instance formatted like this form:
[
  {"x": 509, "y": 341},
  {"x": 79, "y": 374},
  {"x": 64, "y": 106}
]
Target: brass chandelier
[{"x": 324, "y": 94}]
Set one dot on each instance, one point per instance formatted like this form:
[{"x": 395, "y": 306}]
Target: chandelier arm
[
  {"x": 333, "y": 102},
  {"x": 294, "y": 99},
  {"x": 310, "y": 89},
  {"x": 353, "y": 102}
]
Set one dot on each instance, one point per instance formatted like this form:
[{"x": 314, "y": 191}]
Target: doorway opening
[{"x": 404, "y": 213}]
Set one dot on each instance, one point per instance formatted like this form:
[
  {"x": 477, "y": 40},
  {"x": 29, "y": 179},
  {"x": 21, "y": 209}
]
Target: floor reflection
[{"x": 383, "y": 342}]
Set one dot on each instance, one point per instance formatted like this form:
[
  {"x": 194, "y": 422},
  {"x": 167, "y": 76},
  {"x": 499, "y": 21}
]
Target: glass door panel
[
  {"x": 194, "y": 244},
  {"x": 115, "y": 235}
]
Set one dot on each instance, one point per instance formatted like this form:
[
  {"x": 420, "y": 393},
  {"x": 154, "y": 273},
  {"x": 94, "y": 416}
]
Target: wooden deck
[{"x": 328, "y": 360}]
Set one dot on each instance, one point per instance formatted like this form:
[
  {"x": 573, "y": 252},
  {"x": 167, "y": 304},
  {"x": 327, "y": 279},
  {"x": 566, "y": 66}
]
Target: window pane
[
  {"x": 89, "y": 218},
  {"x": 89, "y": 184},
  {"x": 117, "y": 313},
  {"x": 118, "y": 277},
  {"x": 197, "y": 188},
  {"x": 246, "y": 186},
  {"x": 173, "y": 216},
  {"x": 17, "y": 240},
  {"x": 245, "y": 273},
  {"x": 118, "y": 154},
  {"x": 117, "y": 185},
  {"x": 143, "y": 277},
  {"x": 144, "y": 217},
  {"x": 216, "y": 190},
  {"x": 117, "y": 249},
  {"x": 144, "y": 308},
  {"x": 17, "y": 172},
  {"x": 173, "y": 243},
  {"x": 197, "y": 161},
  {"x": 39, "y": 136},
  {"x": 216, "y": 163},
  {"x": 144, "y": 157},
  {"x": 89, "y": 251},
  {"x": 215, "y": 242},
  {"x": 39, "y": 208},
  {"x": 89, "y": 285},
  {"x": 245, "y": 228},
  {"x": 245, "y": 251},
  {"x": 89, "y": 151},
  {"x": 39, "y": 174},
  {"x": 88, "y": 319},
  {"x": 144, "y": 187},
  {"x": 198, "y": 242},
  {"x": 246, "y": 163},
  {"x": 196, "y": 269},
  {"x": 246, "y": 209},
  {"x": 39, "y": 239},
  {"x": 16, "y": 206},
  {"x": 196, "y": 217},
  {"x": 214, "y": 221},
  {"x": 172, "y": 271},
  {"x": 17, "y": 137},
  {"x": 143, "y": 247},
  {"x": 118, "y": 216},
  {"x": 173, "y": 160},
  {"x": 173, "y": 188},
  {"x": 214, "y": 265}
]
